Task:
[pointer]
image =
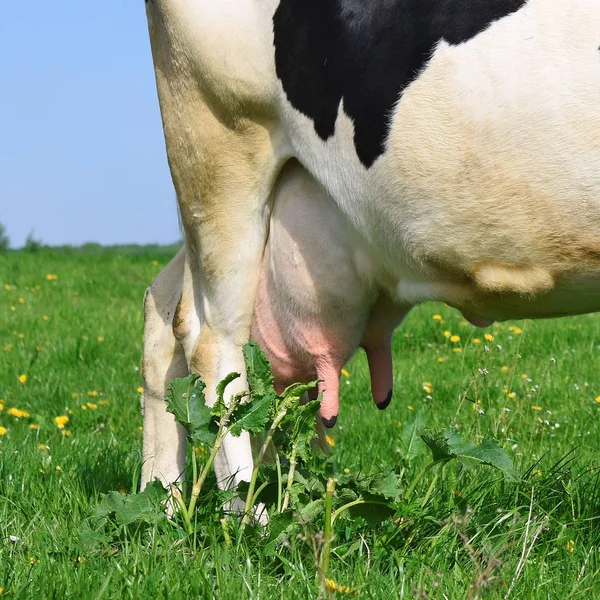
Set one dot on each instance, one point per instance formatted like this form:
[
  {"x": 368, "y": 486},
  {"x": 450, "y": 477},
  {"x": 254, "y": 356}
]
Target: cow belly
[{"x": 569, "y": 297}]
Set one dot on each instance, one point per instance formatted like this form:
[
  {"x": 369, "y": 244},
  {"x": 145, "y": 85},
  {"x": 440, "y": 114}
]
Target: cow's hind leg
[{"x": 164, "y": 359}]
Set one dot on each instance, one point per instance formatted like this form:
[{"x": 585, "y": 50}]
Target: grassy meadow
[{"x": 70, "y": 430}]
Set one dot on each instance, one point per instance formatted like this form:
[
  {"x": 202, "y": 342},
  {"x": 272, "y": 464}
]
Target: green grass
[{"x": 471, "y": 538}]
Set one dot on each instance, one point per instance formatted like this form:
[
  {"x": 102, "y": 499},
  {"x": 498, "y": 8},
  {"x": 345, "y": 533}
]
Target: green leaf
[
  {"x": 253, "y": 415},
  {"x": 147, "y": 506},
  {"x": 373, "y": 513},
  {"x": 220, "y": 406},
  {"x": 258, "y": 370},
  {"x": 410, "y": 438},
  {"x": 490, "y": 453},
  {"x": 448, "y": 445},
  {"x": 279, "y": 525},
  {"x": 298, "y": 428},
  {"x": 311, "y": 511},
  {"x": 297, "y": 389},
  {"x": 384, "y": 485},
  {"x": 90, "y": 537},
  {"x": 438, "y": 443},
  {"x": 185, "y": 400}
]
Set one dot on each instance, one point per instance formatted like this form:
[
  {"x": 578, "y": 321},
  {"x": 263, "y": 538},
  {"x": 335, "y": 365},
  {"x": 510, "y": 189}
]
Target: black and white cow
[{"x": 456, "y": 144}]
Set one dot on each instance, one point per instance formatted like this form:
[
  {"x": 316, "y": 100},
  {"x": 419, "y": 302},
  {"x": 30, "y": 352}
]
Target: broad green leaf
[
  {"x": 344, "y": 495},
  {"x": 374, "y": 513},
  {"x": 185, "y": 400},
  {"x": 90, "y": 537},
  {"x": 279, "y": 525},
  {"x": 448, "y": 445},
  {"x": 253, "y": 415},
  {"x": 258, "y": 370},
  {"x": 410, "y": 438},
  {"x": 312, "y": 483},
  {"x": 384, "y": 485},
  {"x": 491, "y": 453},
  {"x": 311, "y": 511},
  {"x": 146, "y": 506}
]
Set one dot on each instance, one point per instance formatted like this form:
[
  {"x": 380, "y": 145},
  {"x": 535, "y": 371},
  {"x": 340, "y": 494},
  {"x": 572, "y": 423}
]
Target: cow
[
  {"x": 318, "y": 299},
  {"x": 458, "y": 140}
]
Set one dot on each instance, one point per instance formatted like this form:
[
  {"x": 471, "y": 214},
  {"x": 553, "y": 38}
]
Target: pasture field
[{"x": 70, "y": 430}]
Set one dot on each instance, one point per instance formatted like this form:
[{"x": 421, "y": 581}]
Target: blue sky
[{"x": 82, "y": 153}]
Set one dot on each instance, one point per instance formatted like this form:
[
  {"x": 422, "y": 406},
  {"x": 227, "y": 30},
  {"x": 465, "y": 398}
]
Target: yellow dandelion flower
[
  {"x": 43, "y": 447},
  {"x": 51, "y": 277},
  {"x": 23, "y": 378},
  {"x": 410, "y": 408},
  {"x": 504, "y": 368},
  {"x": 512, "y": 395},
  {"x": 83, "y": 407},
  {"x": 100, "y": 338},
  {"x": 18, "y": 413},
  {"x": 34, "y": 426},
  {"x": 140, "y": 428},
  {"x": 21, "y": 300},
  {"x": 336, "y": 587},
  {"x": 104, "y": 402},
  {"x": 598, "y": 399},
  {"x": 1, "y": 588},
  {"x": 13, "y": 308},
  {"x": 428, "y": 389},
  {"x": 536, "y": 408},
  {"x": 441, "y": 359},
  {"x": 61, "y": 421},
  {"x": 447, "y": 333},
  {"x": 33, "y": 560},
  {"x": 65, "y": 432},
  {"x": 140, "y": 390},
  {"x": 344, "y": 373},
  {"x": 7, "y": 287},
  {"x": 489, "y": 337},
  {"x": 45, "y": 317},
  {"x": 92, "y": 406},
  {"x": 346, "y": 470},
  {"x": 3, "y": 431},
  {"x": 58, "y": 468},
  {"x": 437, "y": 318},
  {"x": 455, "y": 338},
  {"x": 571, "y": 546},
  {"x": 457, "y": 350},
  {"x": 476, "y": 341},
  {"x": 1, "y": 405},
  {"x": 92, "y": 393},
  {"x": 428, "y": 383},
  {"x": 330, "y": 440},
  {"x": 524, "y": 375},
  {"x": 21, "y": 336},
  {"x": 155, "y": 262}
]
